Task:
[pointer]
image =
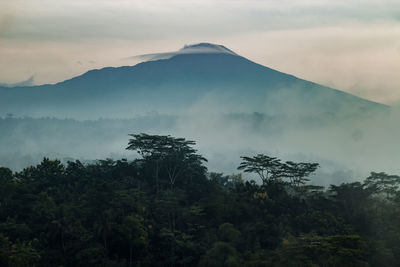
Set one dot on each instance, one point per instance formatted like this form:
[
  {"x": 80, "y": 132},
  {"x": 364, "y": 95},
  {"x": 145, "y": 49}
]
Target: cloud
[
  {"x": 7, "y": 18},
  {"x": 5, "y": 23},
  {"x": 357, "y": 59},
  {"x": 200, "y": 48},
  {"x": 29, "y": 82},
  {"x": 138, "y": 20}
]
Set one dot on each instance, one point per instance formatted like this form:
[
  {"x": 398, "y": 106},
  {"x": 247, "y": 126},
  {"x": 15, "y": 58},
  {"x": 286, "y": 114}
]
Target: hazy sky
[{"x": 351, "y": 45}]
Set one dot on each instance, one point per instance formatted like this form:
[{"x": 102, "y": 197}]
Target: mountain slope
[{"x": 197, "y": 77}]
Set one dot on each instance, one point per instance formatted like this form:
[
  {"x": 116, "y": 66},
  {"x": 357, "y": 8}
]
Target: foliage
[
  {"x": 266, "y": 167},
  {"x": 270, "y": 169},
  {"x": 175, "y": 155},
  {"x": 129, "y": 213}
]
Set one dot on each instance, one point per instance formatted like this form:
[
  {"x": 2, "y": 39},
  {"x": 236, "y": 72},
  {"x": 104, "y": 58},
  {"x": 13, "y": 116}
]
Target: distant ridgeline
[
  {"x": 201, "y": 76},
  {"x": 206, "y": 92}
]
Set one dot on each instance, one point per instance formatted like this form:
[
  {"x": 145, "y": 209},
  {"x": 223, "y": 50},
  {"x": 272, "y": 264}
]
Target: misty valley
[{"x": 101, "y": 169}]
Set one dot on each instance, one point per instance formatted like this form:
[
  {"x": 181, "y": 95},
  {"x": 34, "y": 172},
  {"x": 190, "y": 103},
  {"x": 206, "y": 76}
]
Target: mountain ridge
[{"x": 180, "y": 81}]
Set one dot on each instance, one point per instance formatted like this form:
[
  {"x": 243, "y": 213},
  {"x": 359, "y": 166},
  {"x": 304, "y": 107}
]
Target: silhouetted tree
[
  {"x": 383, "y": 183},
  {"x": 106, "y": 213},
  {"x": 175, "y": 155},
  {"x": 267, "y": 168},
  {"x": 297, "y": 173}
]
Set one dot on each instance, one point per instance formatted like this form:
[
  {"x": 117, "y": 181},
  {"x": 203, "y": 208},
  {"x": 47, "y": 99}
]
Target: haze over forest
[
  {"x": 199, "y": 133},
  {"x": 206, "y": 92},
  {"x": 64, "y": 60}
]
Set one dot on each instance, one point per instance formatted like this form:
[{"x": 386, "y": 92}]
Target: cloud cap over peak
[{"x": 199, "y": 48}]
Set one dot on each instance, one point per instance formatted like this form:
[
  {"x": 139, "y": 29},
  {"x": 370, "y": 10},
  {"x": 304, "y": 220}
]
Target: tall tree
[
  {"x": 383, "y": 183},
  {"x": 298, "y": 172},
  {"x": 174, "y": 155},
  {"x": 267, "y": 168}
]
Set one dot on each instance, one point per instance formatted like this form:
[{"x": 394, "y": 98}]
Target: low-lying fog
[{"x": 347, "y": 148}]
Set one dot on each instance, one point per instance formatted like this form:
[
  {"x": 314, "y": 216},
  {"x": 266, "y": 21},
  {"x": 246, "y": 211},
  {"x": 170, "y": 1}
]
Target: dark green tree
[
  {"x": 297, "y": 173},
  {"x": 175, "y": 155},
  {"x": 383, "y": 183},
  {"x": 267, "y": 168},
  {"x": 135, "y": 234}
]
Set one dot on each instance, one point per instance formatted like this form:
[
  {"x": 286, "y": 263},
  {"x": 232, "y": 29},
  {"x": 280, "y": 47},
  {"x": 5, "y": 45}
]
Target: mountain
[{"x": 203, "y": 77}]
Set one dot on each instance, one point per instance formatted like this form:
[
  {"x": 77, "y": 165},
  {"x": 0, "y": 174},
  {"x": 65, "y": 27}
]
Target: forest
[{"x": 165, "y": 209}]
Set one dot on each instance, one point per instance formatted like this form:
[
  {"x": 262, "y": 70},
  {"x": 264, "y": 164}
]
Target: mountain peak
[
  {"x": 202, "y": 48},
  {"x": 199, "y": 48}
]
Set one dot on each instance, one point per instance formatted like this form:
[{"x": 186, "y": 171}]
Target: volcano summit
[{"x": 175, "y": 82}]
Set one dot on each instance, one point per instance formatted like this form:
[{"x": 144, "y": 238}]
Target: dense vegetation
[{"x": 164, "y": 209}]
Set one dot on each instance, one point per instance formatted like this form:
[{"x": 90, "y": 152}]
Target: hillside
[
  {"x": 132, "y": 213},
  {"x": 197, "y": 76}
]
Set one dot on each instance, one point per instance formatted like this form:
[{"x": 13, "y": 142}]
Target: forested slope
[{"x": 164, "y": 209}]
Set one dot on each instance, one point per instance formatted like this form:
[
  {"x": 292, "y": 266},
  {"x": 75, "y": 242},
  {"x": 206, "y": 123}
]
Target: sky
[{"x": 351, "y": 45}]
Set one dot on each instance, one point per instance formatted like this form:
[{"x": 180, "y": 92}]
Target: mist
[
  {"x": 29, "y": 82},
  {"x": 347, "y": 148},
  {"x": 351, "y": 145},
  {"x": 228, "y": 104}
]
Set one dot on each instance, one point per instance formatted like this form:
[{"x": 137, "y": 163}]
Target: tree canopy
[
  {"x": 271, "y": 168},
  {"x": 175, "y": 155},
  {"x": 111, "y": 213}
]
